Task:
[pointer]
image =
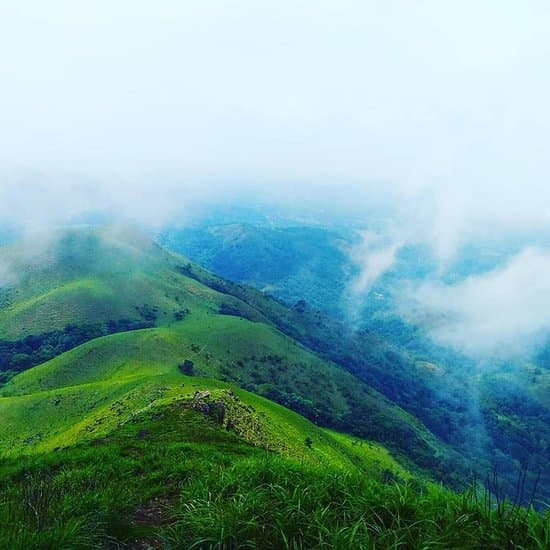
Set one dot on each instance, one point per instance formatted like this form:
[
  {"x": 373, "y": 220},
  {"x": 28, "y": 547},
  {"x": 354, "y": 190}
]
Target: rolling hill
[
  {"x": 291, "y": 263},
  {"x": 493, "y": 413},
  {"x": 124, "y": 280},
  {"x": 201, "y": 464},
  {"x": 148, "y": 403}
]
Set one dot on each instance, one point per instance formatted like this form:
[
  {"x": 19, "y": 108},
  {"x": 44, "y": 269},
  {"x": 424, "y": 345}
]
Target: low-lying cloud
[
  {"x": 501, "y": 313},
  {"x": 143, "y": 113},
  {"x": 372, "y": 257}
]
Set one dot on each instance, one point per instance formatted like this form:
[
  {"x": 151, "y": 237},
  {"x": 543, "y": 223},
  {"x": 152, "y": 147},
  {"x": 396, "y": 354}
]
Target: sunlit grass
[{"x": 175, "y": 479}]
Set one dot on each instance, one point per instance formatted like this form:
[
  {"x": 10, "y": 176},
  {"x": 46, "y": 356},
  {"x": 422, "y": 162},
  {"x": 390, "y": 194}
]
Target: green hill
[
  {"x": 127, "y": 281},
  {"x": 205, "y": 465},
  {"x": 73, "y": 389},
  {"x": 292, "y": 263},
  {"x": 93, "y": 276},
  {"x": 49, "y": 420},
  {"x": 126, "y": 419},
  {"x": 495, "y": 415}
]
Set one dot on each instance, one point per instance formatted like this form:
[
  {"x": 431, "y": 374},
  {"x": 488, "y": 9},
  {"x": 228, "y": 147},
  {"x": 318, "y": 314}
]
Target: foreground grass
[
  {"x": 281, "y": 506},
  {"x": 175, "y": 479}
]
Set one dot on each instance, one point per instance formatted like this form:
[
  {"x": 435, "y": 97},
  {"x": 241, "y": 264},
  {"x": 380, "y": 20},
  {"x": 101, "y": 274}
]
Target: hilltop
[
  {"x": 116, "y": 311},
  {"x": 212, "y": 466}
]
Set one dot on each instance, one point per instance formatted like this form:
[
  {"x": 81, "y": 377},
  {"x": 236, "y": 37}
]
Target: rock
[{"x": 201, "y": 395}]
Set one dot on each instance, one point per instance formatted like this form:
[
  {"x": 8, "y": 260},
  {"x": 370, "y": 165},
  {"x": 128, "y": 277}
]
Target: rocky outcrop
[{"x": 226, "y": 409}]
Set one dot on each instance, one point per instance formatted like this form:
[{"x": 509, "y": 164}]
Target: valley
[{"x": 119, "y": 356}]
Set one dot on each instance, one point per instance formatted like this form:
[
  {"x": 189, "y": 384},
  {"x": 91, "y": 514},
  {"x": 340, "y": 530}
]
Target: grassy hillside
[
  {"x": 51, "y": 403},
  {"x": 137, "y": 430},
  {"x": 75, "y": 309},
  {"x": 496, "y": 417},
  {"x": 221, "y": 468},
  {"x": 85, "y": 276},
  {"x": 98, "y": 279},
  {"x": 65, "y": 417}
]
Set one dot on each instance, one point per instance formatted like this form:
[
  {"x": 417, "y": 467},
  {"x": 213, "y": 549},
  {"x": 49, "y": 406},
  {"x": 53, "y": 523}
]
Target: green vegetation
[
  {"x": 497, "y": 417},
  {"x": 128, "y": 419},
  {"x": 233, "y": 333},
  {"x": 229, "y": 332},
  {"x": 180, "y": 476},
  {"x": 47, "y": 403},
  {"x": 289, "y": 262},
  {"x": 32, "y": 350},
  {"x": 90, "y": 278}
]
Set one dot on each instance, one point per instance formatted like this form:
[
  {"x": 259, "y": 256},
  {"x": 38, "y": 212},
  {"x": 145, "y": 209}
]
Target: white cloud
[
  {"x": 373, "y": 256},
  {"x": 141, "y": 110},
  {"x": 448, "y": 95},
  {"x": 501, "y": 312}
]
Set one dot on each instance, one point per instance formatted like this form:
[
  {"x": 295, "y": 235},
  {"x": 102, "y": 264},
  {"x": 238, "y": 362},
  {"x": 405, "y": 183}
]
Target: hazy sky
[
  {"x": 444, "y": 102},
  {"x": 452, "y": 95}
]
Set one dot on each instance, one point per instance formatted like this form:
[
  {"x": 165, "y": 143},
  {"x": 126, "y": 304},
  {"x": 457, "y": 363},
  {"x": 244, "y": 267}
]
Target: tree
[{"x": 187, "y": 367}]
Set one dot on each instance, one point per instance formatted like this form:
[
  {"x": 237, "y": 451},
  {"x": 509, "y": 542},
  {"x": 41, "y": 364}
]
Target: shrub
[{"x": 187, "y": 367}]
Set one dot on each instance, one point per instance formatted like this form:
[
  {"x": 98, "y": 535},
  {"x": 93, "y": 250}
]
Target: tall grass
[
  {"x": 285, "y": 506},
  {"x": 199, "y": 487}
]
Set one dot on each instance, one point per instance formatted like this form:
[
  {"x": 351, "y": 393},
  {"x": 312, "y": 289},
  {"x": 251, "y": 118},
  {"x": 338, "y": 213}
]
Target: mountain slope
[
  {"x": 225, "y": 338},
  {"x": 67, "y": 416},
  {"x": 137, "y": 431},
  {"x": 494, "y": 414},
  {"x": 142, "y": 363},
  {"x": 83, "y": 277},
  {"x": 221, "y": 468},
  {"x": 291, "y": 263}
]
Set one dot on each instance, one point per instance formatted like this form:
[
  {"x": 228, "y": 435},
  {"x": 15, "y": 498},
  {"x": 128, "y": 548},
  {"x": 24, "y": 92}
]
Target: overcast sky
[
  {"x": 443, "y": 102},
  {"x": 452, "y": 95}
]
